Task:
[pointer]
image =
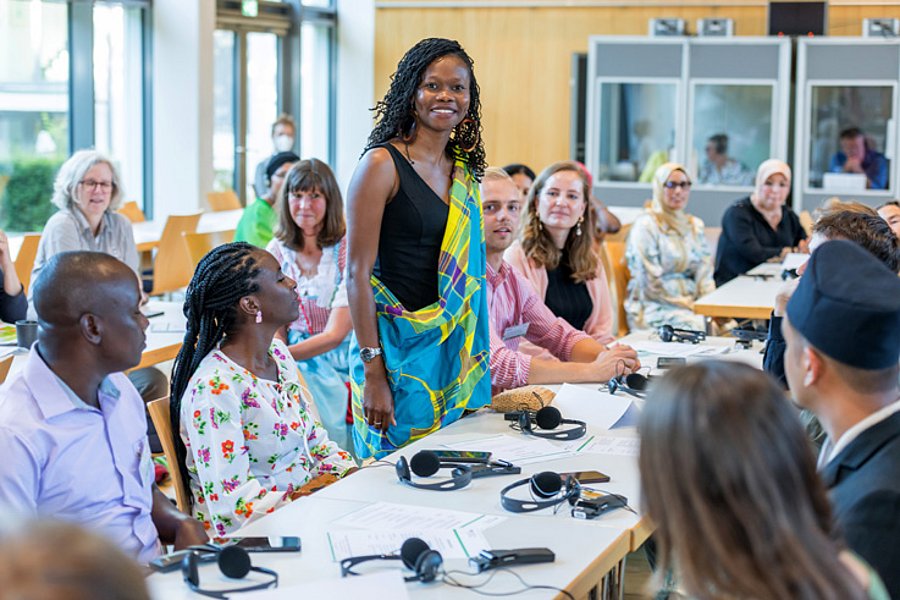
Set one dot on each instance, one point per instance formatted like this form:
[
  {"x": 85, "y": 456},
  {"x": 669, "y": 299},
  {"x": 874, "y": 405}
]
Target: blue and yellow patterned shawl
[{"x": 436, "y": 357}]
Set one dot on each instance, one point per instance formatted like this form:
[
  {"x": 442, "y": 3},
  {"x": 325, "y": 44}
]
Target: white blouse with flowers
[{"x": 251, "y": 442}]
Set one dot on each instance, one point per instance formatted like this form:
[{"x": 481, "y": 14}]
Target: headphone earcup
[
  {"x": 546, "y": 484},
  {"x": 189, "y": 569},
  {"x": 234, "y": 562},
  {"x": 548, "y": 417},
  {"x": 428, "y": 564},
  {"x": 425, "y": 463},
  {"x": 411, "y": 550},
  {"x": 402, "y": 469},
  {"x": 636, "y": 381},
  {"x": 666, "y": 333},
  {"x": 525, "y": 420}
]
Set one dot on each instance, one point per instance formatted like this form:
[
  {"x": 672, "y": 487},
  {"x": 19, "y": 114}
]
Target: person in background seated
[
  {"x": 88, "y": 193},
  {"x": 283, "y": 132},
  {"x": 718, "y": 168},
  {"x": 13, "y": 304},
  {"x": 517, "y": 312},
  {"x": 729, "y": 481},
  {"x": 310, "y": 246},
  {"x": 869, "y": 231},
  {"x": 47, "y": 560},
  {"x": 855, "y": 156},
  {"x": 523, "y": 177},
  {"x": 557, "y": 251},
  {"x": 890, "y": 212},
  {"x": 842, "y": 329},
  {"x": 258, "y": 220},
  {"x": 606, "y": 221},
  {"x": 668, "y": 258},
  {"x": 247, "y": 442},
  {"x": 761, "y": 227},
  {"x": 72, "y": 427}
]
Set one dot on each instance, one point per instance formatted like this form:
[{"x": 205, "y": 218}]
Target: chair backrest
[
  {"x": 159, "y": 414},
  {"x": 225, "y": 200},
  {"x": 712, "y": 235},
  {"x": 613, "y": 257},
  {"x": 198, "y": 244},
  {"x": 172, "y": 267},
  {"x": 5, "y": 365},
  {"x": 132, "y": 212},
  {"x": 806, "y": 221},
  {"x": 25, "y": 259}
]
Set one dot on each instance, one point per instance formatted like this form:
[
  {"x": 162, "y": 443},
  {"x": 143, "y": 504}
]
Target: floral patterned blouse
[{"x": 251, "y": 442}]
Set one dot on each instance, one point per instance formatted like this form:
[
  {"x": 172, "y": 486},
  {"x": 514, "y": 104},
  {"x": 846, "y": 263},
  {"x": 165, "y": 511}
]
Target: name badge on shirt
[{"x": 515, "y": 331}]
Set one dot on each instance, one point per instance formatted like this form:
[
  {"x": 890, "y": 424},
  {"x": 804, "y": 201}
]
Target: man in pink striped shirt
[{"x": 517, "y": 312}]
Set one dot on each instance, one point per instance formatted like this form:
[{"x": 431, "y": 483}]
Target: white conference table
[
  {"x": 165, "y": 335},
  {"x": 744, "y": 297}
]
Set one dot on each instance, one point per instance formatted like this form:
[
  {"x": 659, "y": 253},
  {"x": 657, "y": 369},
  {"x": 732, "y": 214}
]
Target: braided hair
[
  {"x": 394, "y": 113},
  {"x": 224, "y": 276}
]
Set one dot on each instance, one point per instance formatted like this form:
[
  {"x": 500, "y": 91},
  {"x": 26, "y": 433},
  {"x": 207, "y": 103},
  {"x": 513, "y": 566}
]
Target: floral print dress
[{"x": 251, "y": 442}]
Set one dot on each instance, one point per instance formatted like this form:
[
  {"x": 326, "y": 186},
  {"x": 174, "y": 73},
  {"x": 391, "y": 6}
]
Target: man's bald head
[{"x": 74, "y": 283}]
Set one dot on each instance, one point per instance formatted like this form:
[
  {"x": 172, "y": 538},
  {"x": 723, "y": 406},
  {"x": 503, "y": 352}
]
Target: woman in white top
[{"x": 309, "y": 245}]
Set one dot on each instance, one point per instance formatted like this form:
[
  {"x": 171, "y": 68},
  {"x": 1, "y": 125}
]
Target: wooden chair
[
  {"x": 132, "y": 212},
  {"x": 712, "y": 235},
  {"x": 806, "y": 221},
  {"x": 172, "y": 267},
  {"x": 5, "y": 365},
  {"x": 160, "y": 415},
  {"x": 198, "y": 244},
  {"x": 25, "y": 259},
  {"x": 613, "y": 257},
  {"x": 225, "y": 200}
]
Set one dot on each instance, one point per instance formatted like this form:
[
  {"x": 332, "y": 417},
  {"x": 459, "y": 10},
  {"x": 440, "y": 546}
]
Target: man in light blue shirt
[{"x": 72, "y": 426}]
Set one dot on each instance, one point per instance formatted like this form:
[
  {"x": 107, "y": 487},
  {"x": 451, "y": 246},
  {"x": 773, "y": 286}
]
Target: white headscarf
[{"x": 675, "y": 219}]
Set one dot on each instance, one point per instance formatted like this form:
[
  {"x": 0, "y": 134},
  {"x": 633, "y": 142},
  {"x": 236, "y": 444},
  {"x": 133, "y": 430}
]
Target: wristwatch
[{"x": 368, "y": 354}]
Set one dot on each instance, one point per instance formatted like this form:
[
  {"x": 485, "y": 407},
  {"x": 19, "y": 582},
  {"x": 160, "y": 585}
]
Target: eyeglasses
[
  {"x": 93, "y": 185},
  {"x": 671, "y": 185}
]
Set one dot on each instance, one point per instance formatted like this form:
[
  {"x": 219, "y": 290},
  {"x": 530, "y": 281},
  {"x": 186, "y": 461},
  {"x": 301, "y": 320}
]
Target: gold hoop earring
[
  {"x": 475, "y": 142},
  {"x": 578, "y": 226}
]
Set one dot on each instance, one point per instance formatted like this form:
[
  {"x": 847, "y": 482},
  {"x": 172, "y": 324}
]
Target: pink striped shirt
[{"x": 513, "y": 302}]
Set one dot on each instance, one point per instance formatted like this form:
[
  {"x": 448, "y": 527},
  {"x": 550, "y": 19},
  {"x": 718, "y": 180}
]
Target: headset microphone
[
  {"x": 234, "y": 562},
  {"x": 426, "y": 463},
  {"x": 416, "y": 556},
  {"x": 547, "y": 418}
]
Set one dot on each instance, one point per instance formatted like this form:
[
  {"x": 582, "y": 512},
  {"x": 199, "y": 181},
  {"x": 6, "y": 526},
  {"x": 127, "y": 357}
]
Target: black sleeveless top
[
  {"x": 412, "y": 230},
  {"x": 568, "y": 299}
]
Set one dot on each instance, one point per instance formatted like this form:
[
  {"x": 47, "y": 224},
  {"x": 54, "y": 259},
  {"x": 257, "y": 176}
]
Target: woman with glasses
[
  {"x": 667, "y": 257},
  {"x": 311, "y": 248},
  {"x": 759, "y": 228}
]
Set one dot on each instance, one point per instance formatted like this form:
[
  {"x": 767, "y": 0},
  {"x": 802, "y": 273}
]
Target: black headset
[
  {"x": 546, "y": 489},
  {"x": 667, "y": 333},
  {"x": 634, "y": 384},
  {"x": 416, "y": 556},
  {"x": 234, "y": 562},
  {"x": 426, "y": 463},
  {"x": 548, "y": 417}
]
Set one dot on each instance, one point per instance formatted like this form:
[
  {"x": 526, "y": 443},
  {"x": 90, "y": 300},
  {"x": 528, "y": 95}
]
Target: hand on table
[{"x": 617, "y": 360}]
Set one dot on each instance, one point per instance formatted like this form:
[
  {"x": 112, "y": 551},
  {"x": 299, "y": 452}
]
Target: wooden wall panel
[{"x": 523, "y": 55}]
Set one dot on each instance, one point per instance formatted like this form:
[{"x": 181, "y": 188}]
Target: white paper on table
[
  {"x": 168, "y": 327},
  {"x": 679, "y": 349},
  {"x": 794, "y": 260},
  {"x": 607, "y": 444},
  {"x": 388, "y": 516},
  {"x": 384, "y": 584},
  {"x": 599, "y": 408},
  {"x": 452, "y": 543},
  {"x": 517, "y": 449}
]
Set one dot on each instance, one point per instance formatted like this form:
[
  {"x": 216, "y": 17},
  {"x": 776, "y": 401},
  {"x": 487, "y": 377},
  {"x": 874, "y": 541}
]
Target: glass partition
[
  {"x": 637, "y": 129},
  {"x": 732, "y": 131},
  {"x": 848, "y": 135}
]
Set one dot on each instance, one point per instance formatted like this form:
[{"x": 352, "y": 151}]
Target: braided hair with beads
[
  {"x": 224, "y": 276},
  {"x": 395, "y": 114}
]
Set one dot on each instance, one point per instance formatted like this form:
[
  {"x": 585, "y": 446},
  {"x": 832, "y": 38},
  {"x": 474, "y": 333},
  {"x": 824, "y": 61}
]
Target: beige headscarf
[
  {"x": 768, "y": 168},
  {"x": 675, "y": 219}
]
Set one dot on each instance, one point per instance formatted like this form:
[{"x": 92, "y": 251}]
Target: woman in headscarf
[
  {"x": 760, "y": 227},
  {"x": 668, "y": 257}
]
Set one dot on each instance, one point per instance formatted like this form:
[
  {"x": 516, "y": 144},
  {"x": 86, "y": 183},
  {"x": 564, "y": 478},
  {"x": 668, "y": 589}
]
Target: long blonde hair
[{"x": 539, "y": 246}]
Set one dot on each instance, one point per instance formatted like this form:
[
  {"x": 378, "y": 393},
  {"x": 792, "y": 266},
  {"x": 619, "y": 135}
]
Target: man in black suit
[{"x": 842, "y": 330}]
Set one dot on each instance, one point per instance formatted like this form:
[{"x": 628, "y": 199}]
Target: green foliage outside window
[{"x": 25, "y": 199}]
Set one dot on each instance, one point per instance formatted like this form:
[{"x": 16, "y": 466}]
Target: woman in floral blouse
[{"x": 248, "y": 441}]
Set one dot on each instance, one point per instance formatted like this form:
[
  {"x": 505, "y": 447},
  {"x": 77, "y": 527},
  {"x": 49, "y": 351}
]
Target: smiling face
[
  {"x": 94, "y": 192},
  {"x": 502, "y": 206},
  {"x": 308, "y": 209},
  {"x": 561, "y": 201},
  {"x": 891, "y": 214},
  {"x": 773, "y": 193},
  {"x": 442, "y": 98},
  {"x": 676, "y": 190}
]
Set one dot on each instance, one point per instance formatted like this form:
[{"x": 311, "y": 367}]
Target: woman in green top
[
  {"x": 730, "y": 482},
  {"x": 257, "y": 224}
]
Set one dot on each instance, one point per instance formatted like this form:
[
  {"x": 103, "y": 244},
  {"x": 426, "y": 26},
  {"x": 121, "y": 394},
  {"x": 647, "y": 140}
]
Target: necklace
[{"x": 406, "y": 147}]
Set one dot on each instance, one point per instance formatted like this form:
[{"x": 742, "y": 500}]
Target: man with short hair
[
  {"x": 855, "y": 156},
  {"x": 72, "y": 426},
  {"x": 283, "y": 138},
  {"x": 517, "y": 312},
  {"x": 842, "y": 328}
]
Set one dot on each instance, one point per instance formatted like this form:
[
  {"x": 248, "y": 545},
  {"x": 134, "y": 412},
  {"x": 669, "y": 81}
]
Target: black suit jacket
[{"x": 864, "y": 482}]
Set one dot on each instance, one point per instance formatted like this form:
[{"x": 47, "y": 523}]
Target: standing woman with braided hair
[
  {"x": 416, "y": 286},
  {"x": 247, "y": 440}
]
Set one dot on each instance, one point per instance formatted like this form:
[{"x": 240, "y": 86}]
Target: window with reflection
[
  {"x": 848, "y": 131},
  {"x": 732, "y": 131},
  {"x": 637, "y": 129}
]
